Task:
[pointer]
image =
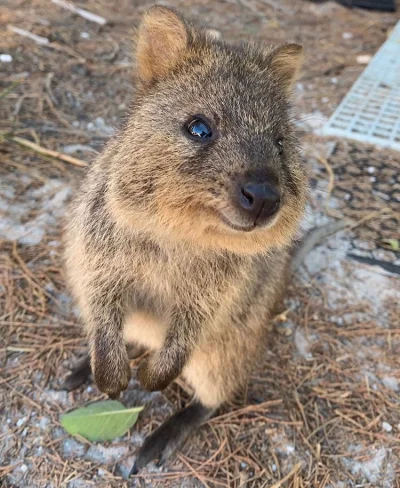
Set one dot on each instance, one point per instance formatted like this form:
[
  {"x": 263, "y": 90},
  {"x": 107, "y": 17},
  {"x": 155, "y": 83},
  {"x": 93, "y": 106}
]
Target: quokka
[{"x": 178, "y": 242}]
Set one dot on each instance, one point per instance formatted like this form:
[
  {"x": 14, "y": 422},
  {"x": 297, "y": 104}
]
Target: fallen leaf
[
  {"x": 392, "y": 244},
  {"x": 101, "y": 421}
]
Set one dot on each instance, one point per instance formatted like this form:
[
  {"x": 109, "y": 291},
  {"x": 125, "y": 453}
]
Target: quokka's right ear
[{"x": 163, "y": 37}]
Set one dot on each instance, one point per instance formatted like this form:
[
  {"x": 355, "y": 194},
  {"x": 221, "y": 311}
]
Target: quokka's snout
[{"x": 255, "y": 202}]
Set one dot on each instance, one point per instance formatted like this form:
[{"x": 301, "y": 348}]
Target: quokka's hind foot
[
  {"x": 171, "y": 435},
  {"x": 79, "y": 375}
]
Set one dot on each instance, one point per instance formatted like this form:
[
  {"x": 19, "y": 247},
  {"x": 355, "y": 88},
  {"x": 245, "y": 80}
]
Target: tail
[{"x": 313, "y": 238}]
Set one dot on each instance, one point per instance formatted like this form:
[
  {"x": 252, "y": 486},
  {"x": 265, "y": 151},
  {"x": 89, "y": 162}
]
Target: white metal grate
[{"x": 370, "y": 112}]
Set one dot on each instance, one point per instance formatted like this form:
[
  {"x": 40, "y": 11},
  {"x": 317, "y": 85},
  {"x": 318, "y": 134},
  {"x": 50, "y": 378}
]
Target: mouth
[
  {"x": 238, "y": 227},
  {"x": 250, "y": 227}
]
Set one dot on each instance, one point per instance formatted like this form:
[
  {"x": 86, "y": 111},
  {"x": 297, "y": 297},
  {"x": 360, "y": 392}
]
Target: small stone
[
  {"x": 85, "y": 35},
  {"x": 43, "y": 423},
  {"x": 21, "y": 421},
  {"x": 125, "y": 466},
  {"x": 391, "y": 382},
  {"x": 102, "y": 126},
  {"x": 347, "y": 35},
  {"x": 371, "y": 170},
  {"x": 364, "y": 245},
  {"x": 334, "y": 80},
  {"x": 6, "y": 58},
  {"x": 23, "y": 468},
  {"x": 364, "y": 58},
  {"x": 72, "y": 448},
  {"x": 387, "y": 427},
  {"x": 106, "y": 455}
]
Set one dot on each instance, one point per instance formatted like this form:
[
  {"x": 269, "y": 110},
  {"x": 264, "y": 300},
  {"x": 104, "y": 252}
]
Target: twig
[
  {"x": 10, "y": 88},
  {"x": 196, "y": 474},
  {"x": 19, "y": 349},
  {"x": 43, "y": 41},
  {"x": 288, "y": 476},
  {"x": 29, "y": 400},
  {"x": 370, "y": 216},
  {"x": 80, "y": 11},
  {"x": 48, "y": 152},
  {"x": 248, "y": 408},
  {"x": 331, "y": 185}
]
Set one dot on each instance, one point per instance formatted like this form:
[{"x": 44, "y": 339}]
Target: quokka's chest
[{"x": 162, "y": 282}]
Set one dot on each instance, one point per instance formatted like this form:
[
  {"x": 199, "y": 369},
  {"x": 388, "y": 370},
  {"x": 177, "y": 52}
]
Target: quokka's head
[{"x": 209, "y": 154}]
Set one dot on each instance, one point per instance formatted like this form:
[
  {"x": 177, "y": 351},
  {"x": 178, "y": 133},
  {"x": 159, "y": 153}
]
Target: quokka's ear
[
  {"x": 162, "y": 39},
  {"x": 285, "y": 61}
]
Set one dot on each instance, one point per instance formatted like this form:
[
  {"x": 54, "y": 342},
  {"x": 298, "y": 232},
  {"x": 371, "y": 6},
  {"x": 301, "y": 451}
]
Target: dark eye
[
  {"x": 279, "y": 145},
  {"x": 199, "y": 129}
]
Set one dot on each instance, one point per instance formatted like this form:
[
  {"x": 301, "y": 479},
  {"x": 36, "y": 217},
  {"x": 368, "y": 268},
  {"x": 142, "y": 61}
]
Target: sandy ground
[{"x": 323, "y": 407}]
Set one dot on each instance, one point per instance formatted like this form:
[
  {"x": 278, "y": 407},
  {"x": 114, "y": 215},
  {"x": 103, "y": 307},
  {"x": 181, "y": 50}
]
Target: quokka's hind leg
[
  {"x": 171, "y": 435},
  {"x": 79, "y": 374},
  {"x": 209, "y": 393},
  {"x": 82, "y": 370}
]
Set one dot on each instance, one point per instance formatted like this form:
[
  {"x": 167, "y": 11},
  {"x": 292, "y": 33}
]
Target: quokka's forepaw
[
  {"x": 112, "y": 380},
  {"x": 152, "y": 376}
]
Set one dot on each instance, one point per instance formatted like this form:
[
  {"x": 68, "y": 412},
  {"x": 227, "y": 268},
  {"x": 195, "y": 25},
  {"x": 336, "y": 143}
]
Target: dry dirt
[{"x": 323, "y": 407}]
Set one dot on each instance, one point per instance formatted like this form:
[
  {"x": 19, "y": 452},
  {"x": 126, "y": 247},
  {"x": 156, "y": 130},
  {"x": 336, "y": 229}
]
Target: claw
[{"x": 134, "y": 470}]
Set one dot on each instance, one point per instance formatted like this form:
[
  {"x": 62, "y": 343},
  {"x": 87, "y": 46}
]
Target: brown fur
[{"x": 150, "y": 255}]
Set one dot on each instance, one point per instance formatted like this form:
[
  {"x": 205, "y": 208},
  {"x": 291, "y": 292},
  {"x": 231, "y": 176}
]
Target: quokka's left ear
[{"x": 285, "y": 62}]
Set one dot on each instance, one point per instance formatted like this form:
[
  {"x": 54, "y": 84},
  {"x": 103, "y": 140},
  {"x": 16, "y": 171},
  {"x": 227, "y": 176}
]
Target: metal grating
[{"x": 370, "y": 112}]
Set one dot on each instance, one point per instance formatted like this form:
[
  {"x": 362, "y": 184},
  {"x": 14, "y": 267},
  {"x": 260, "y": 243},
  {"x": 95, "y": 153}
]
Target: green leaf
[
  {"x": 101, "y": 421},
  {"x": 392, "y": 244}
]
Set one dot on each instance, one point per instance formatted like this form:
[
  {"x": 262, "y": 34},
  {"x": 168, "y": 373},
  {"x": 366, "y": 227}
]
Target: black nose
[{"x": 259, "y": 200}]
